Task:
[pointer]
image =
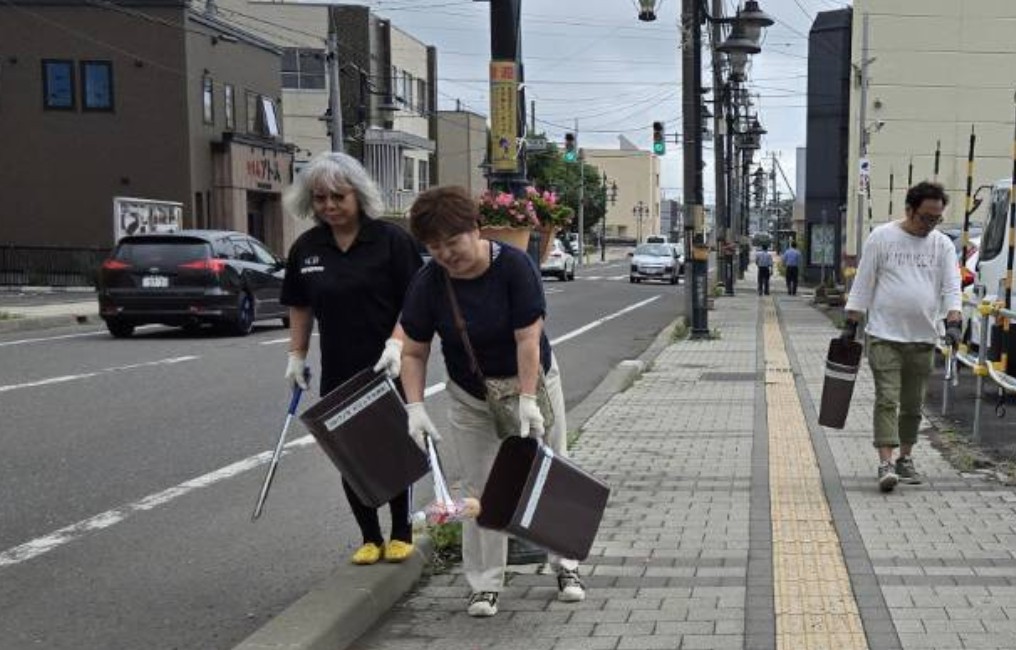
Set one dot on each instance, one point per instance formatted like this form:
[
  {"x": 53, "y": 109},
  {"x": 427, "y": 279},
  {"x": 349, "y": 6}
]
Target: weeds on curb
[
  {"x": 680, "y": 331},
  {"x": 447, "y": 540},
  {"x": 6, "y": 315}
]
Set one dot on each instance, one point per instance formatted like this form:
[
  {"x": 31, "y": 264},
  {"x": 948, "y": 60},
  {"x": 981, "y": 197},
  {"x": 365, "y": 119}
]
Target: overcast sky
[{"x": 592, "y": 60}]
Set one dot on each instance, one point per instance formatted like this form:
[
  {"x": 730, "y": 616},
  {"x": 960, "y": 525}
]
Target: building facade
[
  {"x": 461, "y": 150},
  {"x": 387, "y": 89},
  {"x": 636, "y": 212},
  {"x": 936, "y": 69},
  {"x": 147, "y": 99}
]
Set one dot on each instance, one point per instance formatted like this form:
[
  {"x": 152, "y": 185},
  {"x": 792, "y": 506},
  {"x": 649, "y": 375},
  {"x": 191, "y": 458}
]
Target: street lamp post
[{"x": 612, "y": 197}]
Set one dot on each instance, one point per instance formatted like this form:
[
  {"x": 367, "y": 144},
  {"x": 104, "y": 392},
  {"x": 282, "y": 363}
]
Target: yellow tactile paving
[{"x": 815, "y": 606}]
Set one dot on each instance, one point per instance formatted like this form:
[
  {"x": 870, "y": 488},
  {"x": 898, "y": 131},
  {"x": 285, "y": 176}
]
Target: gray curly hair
[{"x": 332, "y": 170}]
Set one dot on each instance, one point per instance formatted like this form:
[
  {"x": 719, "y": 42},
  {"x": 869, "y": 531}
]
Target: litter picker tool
[{"x": 270, "y": 475}]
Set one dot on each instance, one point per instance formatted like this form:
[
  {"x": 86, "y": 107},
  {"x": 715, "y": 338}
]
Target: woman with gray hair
[{"x": 350, "y": 272}]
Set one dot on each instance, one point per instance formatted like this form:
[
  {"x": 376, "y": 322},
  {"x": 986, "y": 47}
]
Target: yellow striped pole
[
  {"x": 910, "y": 174},
  {"x": 868, "y": 191},
  {"x": 970, "y": 197}
]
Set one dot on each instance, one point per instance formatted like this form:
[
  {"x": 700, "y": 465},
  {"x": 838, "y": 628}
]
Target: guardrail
[
  {"x": 980, "y": 364},
  {"x": 57, "y": 266}
]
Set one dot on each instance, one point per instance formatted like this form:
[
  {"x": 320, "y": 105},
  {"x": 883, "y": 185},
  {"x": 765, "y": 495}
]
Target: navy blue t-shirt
[{"x": 508, "y": 296}]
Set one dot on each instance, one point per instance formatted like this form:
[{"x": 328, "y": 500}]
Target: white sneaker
[
  {"x": 483, "y": 604},
  {"x": 569, "y": 587}
]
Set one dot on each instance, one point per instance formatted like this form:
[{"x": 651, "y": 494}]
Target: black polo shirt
[{"x": 356, "y": 296}]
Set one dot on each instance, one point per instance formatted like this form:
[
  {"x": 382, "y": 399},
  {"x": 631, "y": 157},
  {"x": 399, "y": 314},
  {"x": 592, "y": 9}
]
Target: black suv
[{"x": 188, "y": 278}]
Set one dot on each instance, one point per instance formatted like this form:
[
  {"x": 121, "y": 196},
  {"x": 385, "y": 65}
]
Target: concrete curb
[
  {"x": 333, "y": 615},
  {"x": 30, "y": 323},
  {"x": 337, "y": 612}
]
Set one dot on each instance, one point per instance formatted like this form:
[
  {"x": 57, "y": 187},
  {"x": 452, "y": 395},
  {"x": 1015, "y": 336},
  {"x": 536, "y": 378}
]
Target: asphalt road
[{"x": 127, "y": 477}]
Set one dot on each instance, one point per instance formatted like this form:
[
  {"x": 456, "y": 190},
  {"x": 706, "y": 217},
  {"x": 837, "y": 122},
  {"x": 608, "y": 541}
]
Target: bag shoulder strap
[{"x": 460, "y": 325}]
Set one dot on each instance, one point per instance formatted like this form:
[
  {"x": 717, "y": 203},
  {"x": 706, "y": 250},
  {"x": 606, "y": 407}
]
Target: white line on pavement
[
  {"x": 278, "y": 341},
  {"x": 86, "y": 375},
  {"x": 41, "y": 545},
  {"x": 43, "y": 339}
]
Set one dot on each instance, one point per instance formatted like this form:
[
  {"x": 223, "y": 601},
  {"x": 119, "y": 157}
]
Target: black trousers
[
  {"x": 792, "y": 280},
  {"x": 763, "y": 280},
  {"x": 370, "y": 525}
]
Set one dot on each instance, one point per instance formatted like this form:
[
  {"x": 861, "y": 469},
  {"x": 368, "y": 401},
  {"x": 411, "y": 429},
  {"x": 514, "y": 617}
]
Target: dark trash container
[
  {"x": 536, "y": 495},
  {"x": 842, "y": 364},
  {"x": 362, "y": 426}
]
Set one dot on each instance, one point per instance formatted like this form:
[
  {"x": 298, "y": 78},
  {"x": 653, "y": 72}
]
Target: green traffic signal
[
  {"x": 659, "y": 139},
  {"x": 571, "y": 152},
  {"x": 570, "y": 156}
]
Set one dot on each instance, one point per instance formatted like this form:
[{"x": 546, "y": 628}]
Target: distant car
[
  {"x": 573, "y": 242},
  {"x": 188, "y": 278},
  {"x": 560, "y": 263},
  {"x": 654, "y": 262},
  {"x": 679, "y": 253}
]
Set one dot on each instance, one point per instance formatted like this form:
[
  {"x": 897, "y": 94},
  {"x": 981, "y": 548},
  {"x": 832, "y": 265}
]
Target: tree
[{"x": 549, "y": 171}]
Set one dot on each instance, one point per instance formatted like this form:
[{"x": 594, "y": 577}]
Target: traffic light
[
  {"x": 659, "y": 140},
  {"x": 571, "y": 152}
]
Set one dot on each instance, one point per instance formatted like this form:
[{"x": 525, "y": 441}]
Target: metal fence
[{"x": 53, "y": 266}]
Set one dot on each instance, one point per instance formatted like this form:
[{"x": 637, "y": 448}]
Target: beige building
[
  {"x": 461, "y": 149},
  {"x": 637, "y": 175},
  {"x": 388, "y": 89},
  {"x": 936, "y": 68}
]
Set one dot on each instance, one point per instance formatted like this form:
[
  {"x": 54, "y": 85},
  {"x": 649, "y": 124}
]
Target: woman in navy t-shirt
[{"x": 500, "y": 295}]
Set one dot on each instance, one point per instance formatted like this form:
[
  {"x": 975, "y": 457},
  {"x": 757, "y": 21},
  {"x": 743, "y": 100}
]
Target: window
[
  {"x": 58, "y": 84},
  {"x": 252, "y": 111},
  {"x": 421, "y": 97},
  {"x": 303, "y": 68},
  {"x": 407, "y": 173},
  {"x": 271, "y": 121},
  {"x": 407, "y": 90},
  {"x": 423, "y": 174},
  {"x": 262, "y": 254},
  {"x": 96, "y": 86},
  {"x": 229, "y": 104},
  {"x": 262, "y": 115},
  {"x": 207, "y": 104},
  {"x": 395, "y": 83}
]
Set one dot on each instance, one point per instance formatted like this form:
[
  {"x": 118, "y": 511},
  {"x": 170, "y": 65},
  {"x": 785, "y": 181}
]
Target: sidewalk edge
[
  {"x": 338, "y": 611},
  {"x": 30, "y": 323}
]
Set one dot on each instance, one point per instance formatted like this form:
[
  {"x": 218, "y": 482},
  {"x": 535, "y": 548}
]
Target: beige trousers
[{"x": 468, "y": 459}]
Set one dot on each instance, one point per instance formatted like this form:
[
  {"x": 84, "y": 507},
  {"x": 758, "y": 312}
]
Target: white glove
[
  {"x": 530, "y": 418},
  {"x": 419, "y": 423},
  {"x": 390, "y": 360},
  {"x": 296, "y": 370}
]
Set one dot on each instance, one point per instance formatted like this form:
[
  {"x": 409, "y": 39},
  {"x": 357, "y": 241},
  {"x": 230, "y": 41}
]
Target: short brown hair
[{"x": 443, "y": 212}]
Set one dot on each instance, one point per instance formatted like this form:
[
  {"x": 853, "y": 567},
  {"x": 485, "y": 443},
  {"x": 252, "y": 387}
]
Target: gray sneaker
[
  {"x": 887, "y": 478},
  {"x": 569, "y": 587},
  {"x": 906, "y": 471}
]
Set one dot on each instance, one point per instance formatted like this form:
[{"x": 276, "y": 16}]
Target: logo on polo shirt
[{"x": 312, "y": 264}]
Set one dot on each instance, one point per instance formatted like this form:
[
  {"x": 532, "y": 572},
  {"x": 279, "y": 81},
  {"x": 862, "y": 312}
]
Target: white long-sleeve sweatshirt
[{"x": 902, "y": 281}]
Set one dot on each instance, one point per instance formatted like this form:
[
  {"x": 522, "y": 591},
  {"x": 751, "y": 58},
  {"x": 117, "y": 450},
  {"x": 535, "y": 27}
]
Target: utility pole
[
  {"x": 721, "y": 215},
  {"x": 691, "y": 102},
  {"x": 582, "y": 198},
  {"x": 862, "y": 118},
  {"x": 334, "y": 92}
]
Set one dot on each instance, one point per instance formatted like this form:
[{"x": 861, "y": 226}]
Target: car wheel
[
  {"x": 192, "y": 327},
  {"x": 243, "y": 323},
  {"x": 571, "y": 276},
  {"x": 120, "y": 329},
  {"x": 285, "y": 322},
  {"x": 673, "y": 279},
  {"x": 631, "y": 280}
]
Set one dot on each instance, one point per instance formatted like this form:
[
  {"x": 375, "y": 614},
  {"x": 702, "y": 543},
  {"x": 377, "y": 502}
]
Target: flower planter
[
  {"x": 517, "y": 237},
  {"x": 546, "y": 241}
]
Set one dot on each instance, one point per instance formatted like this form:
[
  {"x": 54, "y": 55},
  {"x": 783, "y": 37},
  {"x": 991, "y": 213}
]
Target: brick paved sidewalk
[{"x": 684, "y": 557}]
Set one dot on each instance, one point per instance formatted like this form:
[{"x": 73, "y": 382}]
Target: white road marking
[
  {"x": 278, "y": 341},
  {"x": 56, "y": 539},
  {"x": 86, "y": 375},
  {"x": 43, "y": 339}
]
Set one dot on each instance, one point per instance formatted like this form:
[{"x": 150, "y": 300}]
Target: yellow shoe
[
  {"x": 397, "y": 551},
  {"x": 369, "y": 553}
]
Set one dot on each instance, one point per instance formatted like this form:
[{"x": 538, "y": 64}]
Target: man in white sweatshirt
[{"x": 908, "y": 270}]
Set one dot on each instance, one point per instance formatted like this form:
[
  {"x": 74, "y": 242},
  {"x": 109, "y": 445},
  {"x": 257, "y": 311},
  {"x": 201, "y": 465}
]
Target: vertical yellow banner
[{"x": 504, "y": 111}]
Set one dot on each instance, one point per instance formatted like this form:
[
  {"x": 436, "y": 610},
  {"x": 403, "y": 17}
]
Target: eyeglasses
[{"x": 929, "y": 219}]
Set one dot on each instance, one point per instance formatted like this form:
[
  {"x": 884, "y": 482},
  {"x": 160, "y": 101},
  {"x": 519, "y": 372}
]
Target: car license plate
[{"x": 154, "y": 282}]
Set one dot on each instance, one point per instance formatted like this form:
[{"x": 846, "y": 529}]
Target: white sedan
[{"x": 560, "y": 263}]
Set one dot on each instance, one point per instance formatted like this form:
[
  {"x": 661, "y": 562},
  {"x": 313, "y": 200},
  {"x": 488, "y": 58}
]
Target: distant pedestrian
[
  {"x": 350, "y": 272},
  {"x": 791, "y": 267},
  {"x": 764, "y": 262},
  {"x": 908, "y": 269},
  {"x": 497, "y": 332}
]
